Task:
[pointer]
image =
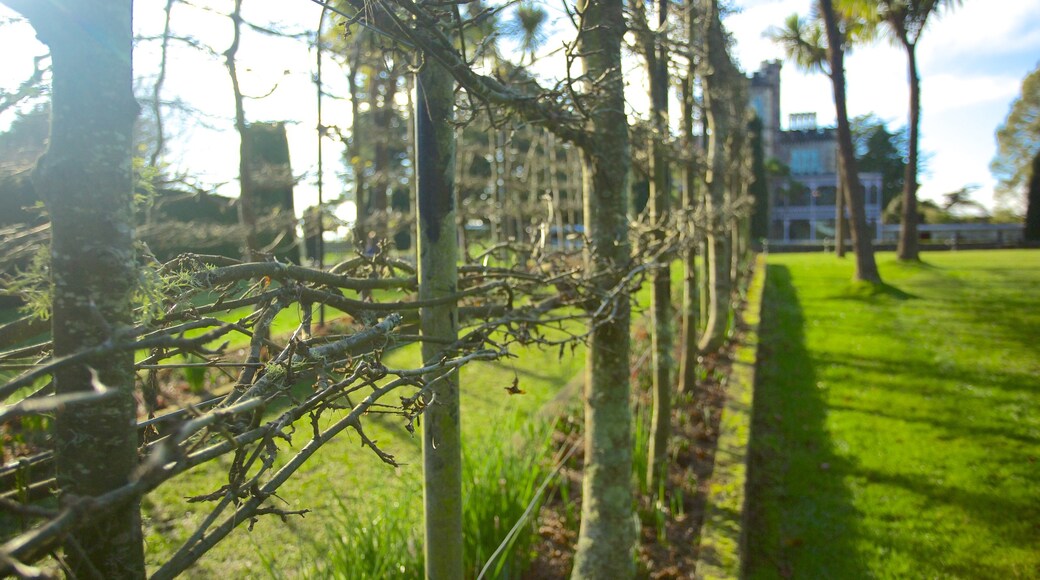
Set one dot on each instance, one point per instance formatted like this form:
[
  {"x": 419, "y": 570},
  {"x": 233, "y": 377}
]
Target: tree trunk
[
  {"x": 738, "y": 157},
  {"x": 532, "y": 172},
  {"x": 907, "y": 248},
  {"x": 574, "y": 192},
  {"x": 866, "y": 267},
  {"x": 438, "y": 276},
  {"x": 86, "y": 180},
  {"x": 691, "y": 293},
  {"x": 702, "y": 238},
  {"x": 839, "y": 222},
  {"x": 160, "y": 80},
  {"x": 554, "y": 187},
  {"x": 246, "y": 204},
  {"x": 1032, "y": 224},
  {"x": 509, "y": 200},
  {"x": 355, "y": 152},
  {"x": 267, "y": 185},
  {"x": 662, "y": 335},
  {"x": 383, "y": 114},
  {"x": 607, "y": 539},
  {"x": 718, "y": 251}
]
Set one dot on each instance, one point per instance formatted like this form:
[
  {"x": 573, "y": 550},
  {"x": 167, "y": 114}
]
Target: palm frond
[{"x": 804, "y": 42}]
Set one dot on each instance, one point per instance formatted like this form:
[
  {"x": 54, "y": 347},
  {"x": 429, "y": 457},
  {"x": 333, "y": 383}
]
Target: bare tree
[
  {"x": 607, "y": 537},
  {"x": 600, "y": 129},
  {"x": 438, "y": 276},
  {"x": 690, "y": 203},
  {"x": 654, "y": 47},
  {"x": 719, "y": 73}
]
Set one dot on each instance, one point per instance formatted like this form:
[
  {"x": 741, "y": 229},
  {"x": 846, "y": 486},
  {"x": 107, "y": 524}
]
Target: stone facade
[{"x": 802, "y": 203}]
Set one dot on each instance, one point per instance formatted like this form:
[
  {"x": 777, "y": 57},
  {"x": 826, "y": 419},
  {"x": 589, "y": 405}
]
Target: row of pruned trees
[{"x": 107, "y": 302}]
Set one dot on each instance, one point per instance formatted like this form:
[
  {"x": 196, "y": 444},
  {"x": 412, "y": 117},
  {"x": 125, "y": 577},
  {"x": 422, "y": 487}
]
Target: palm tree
[
  {"x": 819, "y": 44},
  {"x": 528, "y": 28},
  {"x": 904, "y": 21}
]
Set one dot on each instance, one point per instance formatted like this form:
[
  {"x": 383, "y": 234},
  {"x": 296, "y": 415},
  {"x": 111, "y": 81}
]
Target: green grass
[
  {"x": 897, "y": 428},
  {"x": 351, "y": 491},
  {"x": 366, "y": 518},
  {"x": 497, "y": 484}
]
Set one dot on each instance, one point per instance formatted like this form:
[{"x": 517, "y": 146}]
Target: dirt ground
[{"x": 670, "y": 528}]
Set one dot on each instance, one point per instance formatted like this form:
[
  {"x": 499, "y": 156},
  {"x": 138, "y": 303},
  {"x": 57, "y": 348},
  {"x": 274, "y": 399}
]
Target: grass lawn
[
  {"x": 897, "y": 432},
  {"x": 353, "y": 494},
  {"x": 350, "y": 491}
]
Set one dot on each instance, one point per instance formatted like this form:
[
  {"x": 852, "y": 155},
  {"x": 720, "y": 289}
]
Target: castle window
[
  {"x": 825, "y": 195},
  {"x": 805, "y": 161},
  {"x": 758, "y": 104}
]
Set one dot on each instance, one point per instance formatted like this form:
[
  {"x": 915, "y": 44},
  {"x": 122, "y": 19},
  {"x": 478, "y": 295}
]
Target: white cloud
[
  {"x": 750, "y": 24},
  {"x": 981, "y": 29},
  {"x": 955, "y": 92}
]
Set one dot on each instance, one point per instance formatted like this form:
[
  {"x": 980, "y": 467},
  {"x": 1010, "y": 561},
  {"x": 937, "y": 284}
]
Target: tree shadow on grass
[
  {"x": 1011, "y": 387},
  {"x": 871, "y": 292},
  {"x": 1012, "y": 382},
  {"x": 1003, "y": 299},
  {"x": 991, "y": 508},
  {"x": 801, "y": 521}
]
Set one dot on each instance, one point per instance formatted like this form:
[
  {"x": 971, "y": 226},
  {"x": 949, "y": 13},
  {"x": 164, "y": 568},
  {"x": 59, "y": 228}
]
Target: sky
[{"x": 972, "y": 61}]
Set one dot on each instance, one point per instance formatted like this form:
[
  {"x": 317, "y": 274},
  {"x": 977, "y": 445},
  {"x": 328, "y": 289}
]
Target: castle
[{"x": 802, "y": 204}]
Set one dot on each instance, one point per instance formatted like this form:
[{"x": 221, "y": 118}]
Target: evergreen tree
[{"x": 1017, "y": 163}]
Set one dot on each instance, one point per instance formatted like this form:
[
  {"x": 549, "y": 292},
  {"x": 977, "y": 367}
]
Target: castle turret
[{"x": 765, "y": 100}]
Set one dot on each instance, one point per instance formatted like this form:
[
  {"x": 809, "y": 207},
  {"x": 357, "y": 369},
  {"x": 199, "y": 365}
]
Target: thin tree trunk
[
  {"x": 1031, "y": 232},
  {"x": 246, "y": 203},
  {"x": 554, "y": 189},
  {"x": 839, "y": 222},
  {"x": 319, "y": 260},
  {"x": 460, "y": 221},
  {"x": 495, "y": 213},
  {"x": 662, "y": 315},
  {"x": 438, "y": 276},
  {"x": 508, "y": 199},
  {"x": 85, "y": 178},
  {"x": 160, "y": 80},
  {"x": 691, "y": 298},
  {"x": 355, "y": 151},
  {"x": 383, "y": 115},
  {"x": 413, "y": 195},
  {"x": 574, "y": 192},
  {"x": 907, "y": 248},
  {"x": 531, "y": 175},
  {"x": 866, "y": 267},
  {"x": 607, "y": 538},
  {"x": 702, "y": 238},
  {"x": 718, "y": 255},
  {"x": 739, "y": 181}
]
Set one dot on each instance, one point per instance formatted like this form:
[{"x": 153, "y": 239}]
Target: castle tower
[{"x": 765, "y": 100}]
